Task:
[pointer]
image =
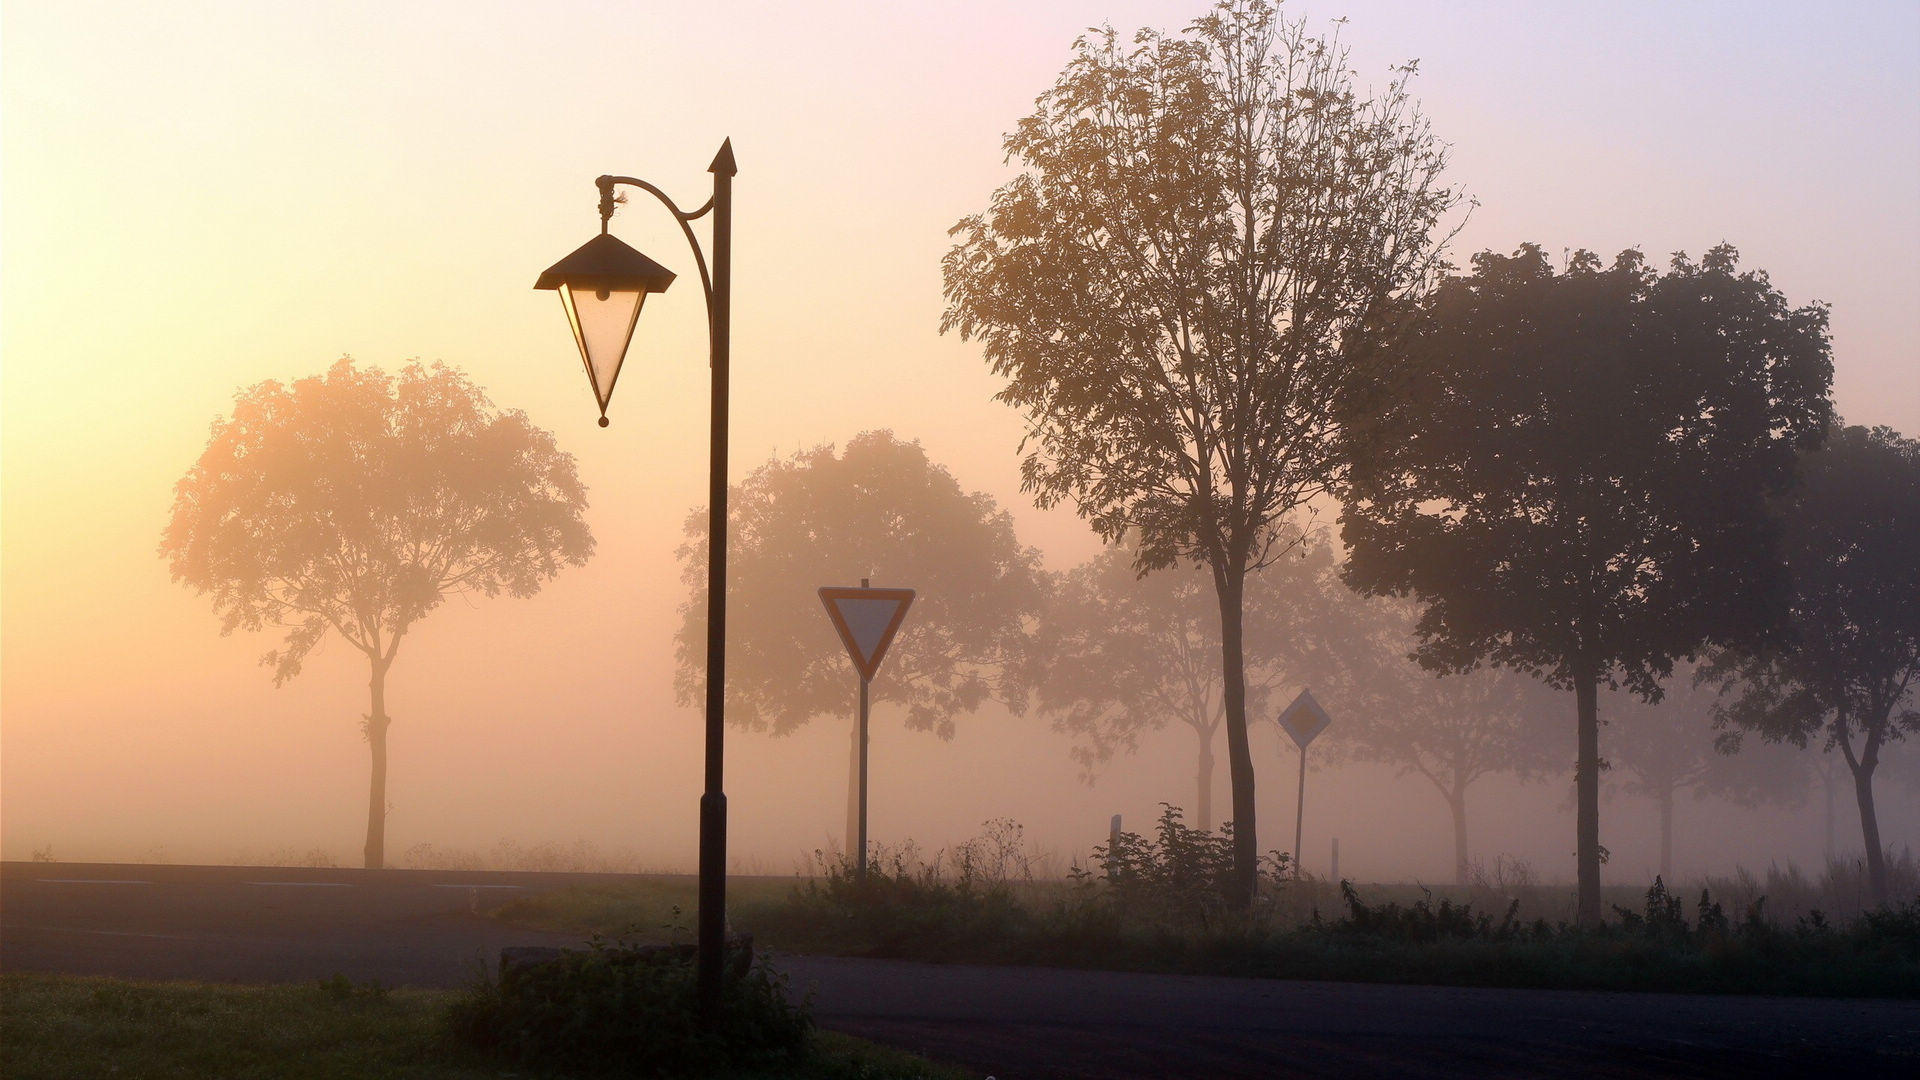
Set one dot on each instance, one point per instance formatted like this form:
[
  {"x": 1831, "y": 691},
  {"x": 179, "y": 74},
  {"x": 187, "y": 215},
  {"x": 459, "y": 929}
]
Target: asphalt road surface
[{"x": 408, "y": 927}]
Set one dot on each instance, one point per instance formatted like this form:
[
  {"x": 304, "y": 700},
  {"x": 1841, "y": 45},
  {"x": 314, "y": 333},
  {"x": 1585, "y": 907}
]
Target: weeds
[
  {"x": 1421, "y": 922},
  {"x": 1841, "y": 889},
  {"x": 1157, "y": 903},
  {"x": 905, "y": 904}
]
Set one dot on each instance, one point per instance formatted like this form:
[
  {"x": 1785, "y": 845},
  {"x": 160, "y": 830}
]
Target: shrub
[
  {"x": 1893, "y": 931},
  {"x": 615, "y": 1008},
  {"x": 1179, "y": 878}
]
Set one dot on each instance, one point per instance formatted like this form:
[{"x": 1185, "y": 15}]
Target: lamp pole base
[{"x": 710, "y": 959}]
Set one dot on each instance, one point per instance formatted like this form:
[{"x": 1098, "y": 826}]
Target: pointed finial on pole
[{"x": 723, "y": 161}]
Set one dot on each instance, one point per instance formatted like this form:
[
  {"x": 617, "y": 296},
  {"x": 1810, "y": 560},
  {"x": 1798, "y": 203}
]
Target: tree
[
  {"x": 1666, "y": 748},
  {"x": 1451, "y": 731},
  {"x": 878, "y": 509},
  {"x": 1573, "y": 469},
  {"x": 1847, "y": 670},
  {"x": 1207, "y": 230},
  {"x": 1117, "y": 654},
  {"x": 357, "y": 502}
]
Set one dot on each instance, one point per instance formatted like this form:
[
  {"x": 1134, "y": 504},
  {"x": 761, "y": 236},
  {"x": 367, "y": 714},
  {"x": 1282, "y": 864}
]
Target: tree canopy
[
  {"x": 882, "y": 509},
  {"x": 1662, "y": 749},
  {"x": 1847, "y": 672},
  {"x": 1451, "y": 731},
  {"x": 1206, "y": 231},
  {"x": 1573, "y": 471},
  {"x": 1117, "y": 655},
  {"x": 357, "y": 502}
]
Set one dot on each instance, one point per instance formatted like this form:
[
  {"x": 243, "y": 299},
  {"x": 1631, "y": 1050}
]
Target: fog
[{"x": 266, "y": 190}]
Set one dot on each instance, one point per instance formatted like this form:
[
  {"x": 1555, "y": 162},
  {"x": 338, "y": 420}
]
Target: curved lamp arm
[
  {"x": 718, "y": 288},
  {"x": 606, "y": 185}
]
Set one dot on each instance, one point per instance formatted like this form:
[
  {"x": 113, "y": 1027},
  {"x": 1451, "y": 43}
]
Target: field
[{"x": 62, "y": 1026}]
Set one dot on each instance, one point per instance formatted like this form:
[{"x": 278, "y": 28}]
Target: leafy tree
[
  {"x": 1451, "y": 731},
  {"x": 1207, "y": 230},
  {"x": 1573, "y": 469},
  {"x": 878, "y": 509},
  {"x": 1669, "y": 747},
  {"x": 1847, "y": 671},
  {"x": 357, "y": 502},
  {"x": 1117, "y": 654}
]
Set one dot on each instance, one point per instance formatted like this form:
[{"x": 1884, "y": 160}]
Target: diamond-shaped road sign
[
  {"x": 867, "y": 619},
  {"x": 1304, "y": 719}
]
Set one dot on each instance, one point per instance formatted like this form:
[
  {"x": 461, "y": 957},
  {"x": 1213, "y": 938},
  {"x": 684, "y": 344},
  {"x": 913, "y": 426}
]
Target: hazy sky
[{"x": 198, "y": 196}]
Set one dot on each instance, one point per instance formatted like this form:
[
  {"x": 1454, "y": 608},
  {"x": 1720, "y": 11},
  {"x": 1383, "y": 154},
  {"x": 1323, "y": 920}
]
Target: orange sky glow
[{"x": 196, "y": 197}]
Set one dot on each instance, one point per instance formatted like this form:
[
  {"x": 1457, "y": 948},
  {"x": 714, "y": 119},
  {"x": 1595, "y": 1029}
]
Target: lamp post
[{"x": 602, "y": 286}]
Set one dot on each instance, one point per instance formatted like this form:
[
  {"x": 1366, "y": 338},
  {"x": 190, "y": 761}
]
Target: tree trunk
[
  {"x": 1229, "y": 583},
  {"x": 1826, "y": 783},
  {"x": 853, "y": 793},
  {"x": 377, "y": 721},
  {"x": 1666, "y": 835},
  {"x": 1203, "y": 782},
  {"x": 1457, "y": 802},
  {"x": 1587, "y": 792},
  {"x": 1870, "y": 830}
]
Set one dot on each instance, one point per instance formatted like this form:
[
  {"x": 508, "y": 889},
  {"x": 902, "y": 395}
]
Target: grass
[
  {"x": 646, "y": 909},
  {"x": 65, "y": 1026},
  {"x": 1155, "y": 908}
]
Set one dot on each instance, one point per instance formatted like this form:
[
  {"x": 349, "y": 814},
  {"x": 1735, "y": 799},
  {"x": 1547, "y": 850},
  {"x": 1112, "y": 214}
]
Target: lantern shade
[
  {"x": 602, "y": 286},
  {"x": 602, "y": 321}
]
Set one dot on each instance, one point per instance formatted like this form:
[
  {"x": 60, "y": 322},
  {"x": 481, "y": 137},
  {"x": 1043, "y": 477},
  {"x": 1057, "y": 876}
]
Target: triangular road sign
[
  {"x": 1304, "y": 719},
  {"x": 867, "y": 619}
]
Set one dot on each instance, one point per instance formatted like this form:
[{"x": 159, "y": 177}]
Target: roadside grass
[
  {"x": 1154, "y": 906},
  {"x": 650, "y": 910},
  {"x": 54, "y": 1026}
]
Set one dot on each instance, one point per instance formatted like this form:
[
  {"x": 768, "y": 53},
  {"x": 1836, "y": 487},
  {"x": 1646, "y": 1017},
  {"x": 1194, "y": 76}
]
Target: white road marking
[
  {"x": 91, "y": 881},
  {"x": 447, "y": 885},
  {"x": 305, "y": 884}
]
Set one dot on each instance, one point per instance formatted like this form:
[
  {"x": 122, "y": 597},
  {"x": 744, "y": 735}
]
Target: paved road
[{"x": 421, "y": 928}]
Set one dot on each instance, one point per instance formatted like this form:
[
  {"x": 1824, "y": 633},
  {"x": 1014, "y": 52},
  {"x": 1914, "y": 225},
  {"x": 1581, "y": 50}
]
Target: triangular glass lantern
[
  {"x": 602, "y": 286},
  {"x": 602, "y": 321}
]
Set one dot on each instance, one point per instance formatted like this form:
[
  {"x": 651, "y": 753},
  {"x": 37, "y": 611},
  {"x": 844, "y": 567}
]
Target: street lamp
[{"x": 602, "y": 286}]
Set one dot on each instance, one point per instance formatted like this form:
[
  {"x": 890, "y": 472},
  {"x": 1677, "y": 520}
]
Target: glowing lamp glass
[{"x": 602, "y": 321}]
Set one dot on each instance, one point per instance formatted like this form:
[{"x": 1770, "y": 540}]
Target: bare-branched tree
[{"x": 1207, "y": 231}]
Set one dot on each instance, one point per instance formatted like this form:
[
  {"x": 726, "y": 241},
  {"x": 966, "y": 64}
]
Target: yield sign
[
  {"x": 1304, "y": 719},
  {"x": 867, "y": 619}
]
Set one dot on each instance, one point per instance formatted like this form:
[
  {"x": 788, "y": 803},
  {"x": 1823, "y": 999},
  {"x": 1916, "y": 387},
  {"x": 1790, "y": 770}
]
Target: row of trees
[
  {"x": 357, "y": 502},
  {"x": 1106, "y": 655},
  {"x": 1215, "y": 290}
]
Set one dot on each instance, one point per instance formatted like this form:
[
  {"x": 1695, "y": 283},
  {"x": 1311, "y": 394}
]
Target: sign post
[
  {"x": 1303, "y": 720},
  {"x": 866, "y": 619}
]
